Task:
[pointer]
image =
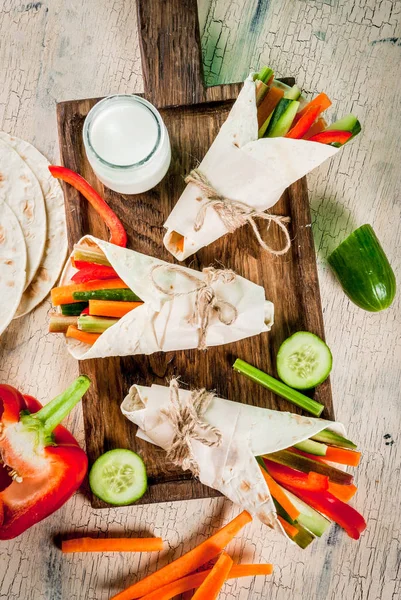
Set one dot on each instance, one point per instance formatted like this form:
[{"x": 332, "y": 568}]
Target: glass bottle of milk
[{"x": 127, "y": 143}]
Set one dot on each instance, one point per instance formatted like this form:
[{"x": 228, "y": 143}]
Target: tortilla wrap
[
  {"x": 163, "y": 322},
  {"x": 20, "y": 189},
  {"x": 247, "y": 431},
  {"x": 240, "y": 167},
  {"x": 56, "y": 235},
  {"x": 12, "y": 264}
]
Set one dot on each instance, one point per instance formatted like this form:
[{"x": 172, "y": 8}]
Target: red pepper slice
[
  {"x": 331, "y": 137},
  {"x": 42, "y": 470},
  {"x": 287, "y": 475},
  {"x": 94, "y": 272},
  {"x": 118, "y": 233},
  {"x": 336, "y": 510}
]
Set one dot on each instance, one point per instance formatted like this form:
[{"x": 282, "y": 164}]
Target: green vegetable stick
[{"x": 279, "y": 388}]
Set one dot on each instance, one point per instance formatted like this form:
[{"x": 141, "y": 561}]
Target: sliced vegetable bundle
[
  {"x": 276, "y": 465},
  {"x": 118, "y": 302},
  {"x": 271, "y": 138}
]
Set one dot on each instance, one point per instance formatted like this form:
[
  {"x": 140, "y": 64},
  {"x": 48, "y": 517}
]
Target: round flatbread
[
  {"x": 56, "y": 240},
  {"x": 12, "y": 264},
  {"x": 20, "y": 189}
]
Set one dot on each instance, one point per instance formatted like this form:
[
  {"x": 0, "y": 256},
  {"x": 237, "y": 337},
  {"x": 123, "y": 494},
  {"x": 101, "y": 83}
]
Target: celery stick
[
  {"x": 59, "y": 323},
  {"x": 92, "y": 255},
  {"x": 261, "y": 91},
  {"x": 95, "y": 324},
  {"x": 312, "y": 447},
  {"x": 279, "y": 388},
  {"x": 306, "y": 465},
  {"x": 264, "y": 74}
]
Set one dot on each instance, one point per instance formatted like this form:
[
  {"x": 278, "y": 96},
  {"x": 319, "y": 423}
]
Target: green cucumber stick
[{"x": 278, "y": 387}]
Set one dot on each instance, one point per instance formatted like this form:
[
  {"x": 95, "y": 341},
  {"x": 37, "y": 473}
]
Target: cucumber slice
[
  {"x": 293, "y": 93},
  {"x": 282, "y": 118},
  {"x": 364, "y": 271},
  {"x": 304, "y": 360},
  {"x": 123, "y": 294},
  {"x": 312, "y": 447},
  {"x": 118, "y": 477},
  {"x": 74, "y": 309},
  {"x": 334, "y": 439}
]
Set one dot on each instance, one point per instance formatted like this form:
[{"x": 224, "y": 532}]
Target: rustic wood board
[{"x": 291, "y": 281}]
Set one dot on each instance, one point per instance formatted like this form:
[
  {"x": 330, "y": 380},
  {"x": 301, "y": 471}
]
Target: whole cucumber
[{"x": 364, "y": 271}]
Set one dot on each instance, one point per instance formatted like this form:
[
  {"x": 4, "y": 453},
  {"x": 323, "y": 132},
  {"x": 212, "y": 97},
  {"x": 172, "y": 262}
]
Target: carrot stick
[
  {"x": 87, "y": 544},
  {"x": 343, "y": 456},
  {"x": 82, "y": 336},
  {"x": 180, "y": 586},
  {"x": 304, "y": 123},
  {"x": 210, "y": 588},
  {"x": 342, "y": 492},
  {"x": 268, "y": 104},
  {"x": 317, "y": 127},
  {"x": 187, "y": 563},
  {"x": 322, "y": 99},
  {"x": 111, "y": 308},
  {"x": 290, "y": 530},
  {"x": 280, "y": 496},
  {"x": 64, "y": 294}
]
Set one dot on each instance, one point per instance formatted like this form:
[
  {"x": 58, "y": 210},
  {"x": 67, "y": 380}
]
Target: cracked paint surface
[{"x": 59, "y": 50}]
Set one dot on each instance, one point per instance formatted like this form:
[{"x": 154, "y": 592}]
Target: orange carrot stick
[
  {"x": 342, "y": 492},
  {"x": 268, "y": 104},
  {"x": 280, "y": 496},
  {"x": 111, "y": 308},
  {"x": 290, "y": 530},
  {"x": 304, "y": 123},
  {"x": 64, "y": 294},
  {"x": 318, "y": 126},
  {"x": 343, "y": 456},
  {"x": 322, "y": 99},
  {"x": 82, "y": 336},
  {"x": 88, "y": 544},
  {"x": 180, "y": 586},
  {"x": 210, "y": 588},
  {"x": 187, "y": 563}
]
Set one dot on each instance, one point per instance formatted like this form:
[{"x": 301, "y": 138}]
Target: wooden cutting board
[{"x": 193, "y": 115}]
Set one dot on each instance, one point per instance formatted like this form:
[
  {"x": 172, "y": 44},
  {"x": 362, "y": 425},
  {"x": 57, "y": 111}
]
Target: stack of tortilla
[{"x": 33, "y": 238}]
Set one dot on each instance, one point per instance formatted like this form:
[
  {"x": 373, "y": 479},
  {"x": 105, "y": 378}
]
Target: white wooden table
[{"x": 54, "y": 50}]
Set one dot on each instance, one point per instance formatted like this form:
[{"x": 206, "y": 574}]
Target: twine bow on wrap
[
  {"x": 186, "y": 419},
  {"x": 206, "y": 301},
  {"x": 234, "y": 213}
]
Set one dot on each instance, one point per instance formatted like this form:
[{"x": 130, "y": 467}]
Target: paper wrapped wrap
[
  {"x": 164, "y": 322},
  {"x": 246, "y": 432},
  {"x": 244, "y": 168}
]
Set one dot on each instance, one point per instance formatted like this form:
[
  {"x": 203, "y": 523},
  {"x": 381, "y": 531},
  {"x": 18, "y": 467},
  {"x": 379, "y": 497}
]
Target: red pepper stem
[{"x": 57, "y": 409}]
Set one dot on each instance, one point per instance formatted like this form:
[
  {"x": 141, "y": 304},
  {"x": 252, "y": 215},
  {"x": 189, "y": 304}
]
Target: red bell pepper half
[
  {"x": 93, "y": 273},
  {"x": 118, "y": 233},
  {"x": 336, "y": 510},
  {"x": 42, "y": 464}
]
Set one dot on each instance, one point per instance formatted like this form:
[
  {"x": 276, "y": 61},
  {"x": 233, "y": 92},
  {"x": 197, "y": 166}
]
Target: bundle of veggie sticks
[
  {"x": 282, "y": 112},
  {"x": 308, "y": 491},
  {"x": 95, "y": 299}
]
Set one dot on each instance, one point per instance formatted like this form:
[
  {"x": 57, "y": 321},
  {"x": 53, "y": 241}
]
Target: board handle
[{"x": 170, "y": 44}]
